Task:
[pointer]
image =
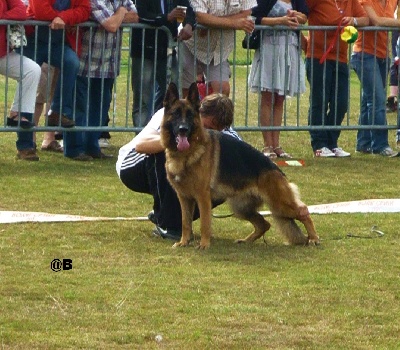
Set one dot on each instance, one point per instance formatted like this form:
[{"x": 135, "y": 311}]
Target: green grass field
[{"x": 130, "y": 290}]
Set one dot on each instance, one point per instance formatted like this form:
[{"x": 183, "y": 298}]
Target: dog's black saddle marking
[{"x": 239, "y": 162}]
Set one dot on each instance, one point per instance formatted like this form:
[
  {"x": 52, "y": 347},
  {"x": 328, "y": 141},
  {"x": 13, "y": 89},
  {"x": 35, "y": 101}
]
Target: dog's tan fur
[{"x": 195, "y": 175}]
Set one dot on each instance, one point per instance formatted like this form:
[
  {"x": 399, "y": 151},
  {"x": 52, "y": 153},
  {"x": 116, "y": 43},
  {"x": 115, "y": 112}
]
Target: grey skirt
[{"x": 278, "y": 66}]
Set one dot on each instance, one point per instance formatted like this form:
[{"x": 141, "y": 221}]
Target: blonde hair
[{"x": 220, "y": 108}]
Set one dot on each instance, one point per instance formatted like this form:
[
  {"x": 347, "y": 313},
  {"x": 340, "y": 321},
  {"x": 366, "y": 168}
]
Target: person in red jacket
[
  {"x": 27, "y": 73},
  {"x": 64, "y": 15}
]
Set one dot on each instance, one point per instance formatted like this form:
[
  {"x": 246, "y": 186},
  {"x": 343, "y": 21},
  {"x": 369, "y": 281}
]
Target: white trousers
[{"x": 27, "y": 73}]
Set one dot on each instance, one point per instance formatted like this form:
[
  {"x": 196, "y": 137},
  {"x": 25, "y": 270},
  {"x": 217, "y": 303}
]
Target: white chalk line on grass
[{"x": 363, "y": 206}]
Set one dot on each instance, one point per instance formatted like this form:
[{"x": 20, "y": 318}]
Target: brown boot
[
  {"x": 53, "y": 119},
  {"x": 27, "y": 154}
]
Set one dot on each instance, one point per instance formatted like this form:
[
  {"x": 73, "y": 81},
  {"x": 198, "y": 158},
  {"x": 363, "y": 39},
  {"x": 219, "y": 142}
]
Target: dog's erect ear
[
  {"x": 193, "y": 96},
  {"x": 171, "y": 95}
]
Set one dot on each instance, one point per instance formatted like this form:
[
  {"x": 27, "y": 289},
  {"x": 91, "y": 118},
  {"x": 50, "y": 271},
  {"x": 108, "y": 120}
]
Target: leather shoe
[
  {"x": 53, "y": 119},
  {"x": 82, "y": 157},
  {"x": 167, "y": 233},
  {"x": 101, "y": 155},
  {"x": 27, "y": 154},
  {"x": 24, "y": 124}
]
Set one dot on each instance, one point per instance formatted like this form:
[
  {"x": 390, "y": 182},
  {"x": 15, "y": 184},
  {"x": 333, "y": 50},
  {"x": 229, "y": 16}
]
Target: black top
[{"x": 150, "y": 13}]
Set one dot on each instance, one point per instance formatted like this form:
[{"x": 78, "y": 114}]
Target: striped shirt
[
  {"x": 101, "y": 50},
  {"x": 220, "y": 42}
]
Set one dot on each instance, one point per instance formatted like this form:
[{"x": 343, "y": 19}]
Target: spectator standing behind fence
[
  {"x": 277, "y": 69},
  {"x": 392, "y": 103},
  {"x": 141, "y": 163},
  {"x": 27, "y": 73},
  {"x": 99, "y": 66},
  {"x": 208, "y": 50},
  {"x": 63, "y": 15},
  {"x": 149, "y": 79},
  {"x": 370, "y": 60},
  {"x": 329, "y": 80},
  {"x": 44, "y": 96}
]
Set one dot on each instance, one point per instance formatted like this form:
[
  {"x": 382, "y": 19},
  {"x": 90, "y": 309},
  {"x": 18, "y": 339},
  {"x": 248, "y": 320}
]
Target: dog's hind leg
[
  {"x": 308, "y": 223},
  {"x": 289, "y": 229},
  {"x": 187, "y": 207},
  {"x": 246, "y": 209},
  {"x": 285, "y": 204},
  {"x": 260, "y": 227}
]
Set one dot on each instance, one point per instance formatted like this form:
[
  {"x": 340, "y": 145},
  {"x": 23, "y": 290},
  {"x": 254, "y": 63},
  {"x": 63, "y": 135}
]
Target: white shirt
[{"x": 154, "y": 124}]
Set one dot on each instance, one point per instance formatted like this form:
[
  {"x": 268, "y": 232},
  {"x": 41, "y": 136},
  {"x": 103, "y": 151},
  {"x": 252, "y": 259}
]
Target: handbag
[
  {"x": 16, "y": 36},
  {"x": 252, "y": 41}
]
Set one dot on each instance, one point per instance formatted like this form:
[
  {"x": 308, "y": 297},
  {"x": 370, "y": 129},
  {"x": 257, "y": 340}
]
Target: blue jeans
[
  {"x": 25, "y": 138},
  {"x": 372, "y": 72},
  {"x": 66, "y": 81},
  {"x": 328, "y": 102},
  {"x": 87, "y": 142},
  {"x": 148, "y": 96}
]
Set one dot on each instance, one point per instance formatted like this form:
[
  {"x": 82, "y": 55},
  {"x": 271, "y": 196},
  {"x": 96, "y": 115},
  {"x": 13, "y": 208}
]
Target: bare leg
[{"x": 221, "y": 87}]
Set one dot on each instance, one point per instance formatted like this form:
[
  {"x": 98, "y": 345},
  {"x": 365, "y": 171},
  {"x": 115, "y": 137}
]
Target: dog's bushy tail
[{"x": 289, "y": 229}]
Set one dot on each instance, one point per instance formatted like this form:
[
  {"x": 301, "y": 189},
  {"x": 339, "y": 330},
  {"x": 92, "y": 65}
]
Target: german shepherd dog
[{"x": 204, "y": 166}]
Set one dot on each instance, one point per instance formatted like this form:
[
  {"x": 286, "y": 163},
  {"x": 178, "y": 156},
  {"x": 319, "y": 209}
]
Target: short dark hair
[{"x": 220, "y": 108}]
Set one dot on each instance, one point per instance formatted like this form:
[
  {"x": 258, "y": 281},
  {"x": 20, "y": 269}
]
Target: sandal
[
  {"x": 53, "y": 146},
  {"x": 281, "y": 153},
  {"x": 22, "y": 122},
  {"x": 268, "y": 151}
]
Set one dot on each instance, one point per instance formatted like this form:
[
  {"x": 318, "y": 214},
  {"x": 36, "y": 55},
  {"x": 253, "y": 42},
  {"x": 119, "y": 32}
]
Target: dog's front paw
[
  {"x": 238, "y": 241},
  {"x": 181, "y": 243},
  {"x": 313, "y": 241}
]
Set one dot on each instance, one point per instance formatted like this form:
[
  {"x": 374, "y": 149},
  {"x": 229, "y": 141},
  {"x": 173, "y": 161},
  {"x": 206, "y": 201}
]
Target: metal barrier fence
[{"x": 247, "y": 104}]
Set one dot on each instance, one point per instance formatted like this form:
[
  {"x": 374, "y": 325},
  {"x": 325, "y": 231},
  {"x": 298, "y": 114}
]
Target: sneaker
[
  {"x": 168, "y": 233},
  {"x": 364, "y": 150},
  {"x": 104, "y": 143},
  {"x": 391, "y": 104},
  {"x": 27, "y": 154},
  {"x": 324, "y": 152},
  {"x": 152, "y": 217},
  {"x": 388, "y": 152},
  {"x": 340, "y": 153}
]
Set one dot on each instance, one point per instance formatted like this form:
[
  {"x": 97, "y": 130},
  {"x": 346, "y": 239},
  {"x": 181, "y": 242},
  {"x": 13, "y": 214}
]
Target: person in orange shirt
[
  {"x": 329, "y": 80},
  {"x": 371, "y": 62}
]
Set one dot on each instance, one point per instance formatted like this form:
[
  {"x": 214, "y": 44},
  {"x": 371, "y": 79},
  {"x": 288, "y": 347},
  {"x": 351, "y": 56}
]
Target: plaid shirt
[
  {"x": 101, "y": 50},
  {"x": 221, "y": 41}
]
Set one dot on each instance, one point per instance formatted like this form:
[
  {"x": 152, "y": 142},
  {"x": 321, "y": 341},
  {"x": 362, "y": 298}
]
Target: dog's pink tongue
[{"x": 183, "y": 143}]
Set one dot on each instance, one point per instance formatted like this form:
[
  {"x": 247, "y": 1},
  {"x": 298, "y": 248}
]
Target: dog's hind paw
[{"x": 239, "y": 241}]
